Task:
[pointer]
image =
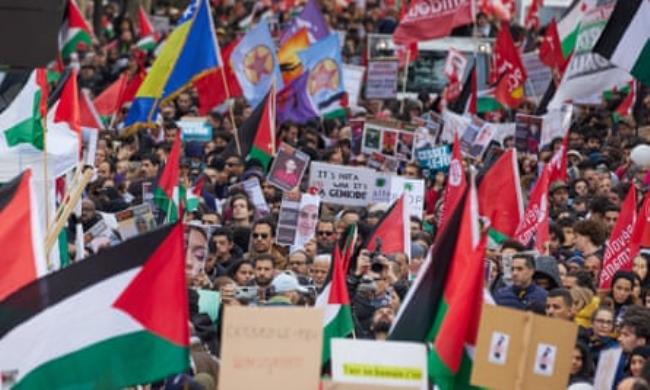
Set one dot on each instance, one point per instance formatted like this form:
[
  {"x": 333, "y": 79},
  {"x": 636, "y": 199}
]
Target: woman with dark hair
[
  {"x": 242, "y": 272},
  {"x": 641, "y": 266},
  {"x": 622, "y": 292},
  {"x": 582, "y": 366}
]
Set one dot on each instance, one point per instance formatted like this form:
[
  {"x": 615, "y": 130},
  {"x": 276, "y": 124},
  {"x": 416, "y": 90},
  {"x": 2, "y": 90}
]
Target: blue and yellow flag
[
  {"x": 255, "y": 64},
  {"x": 322, "y": 61},
  {"x": 190, "y": 52}
]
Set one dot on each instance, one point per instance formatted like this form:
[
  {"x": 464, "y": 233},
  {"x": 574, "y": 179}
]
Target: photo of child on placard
[
  {"x": 388, "y": 143},
  {"x": 288, "y": 168}
]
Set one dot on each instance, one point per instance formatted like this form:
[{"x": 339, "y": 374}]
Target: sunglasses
[
  {"x": 263, "y": 236},
  {"x": 324, "y": 233}
]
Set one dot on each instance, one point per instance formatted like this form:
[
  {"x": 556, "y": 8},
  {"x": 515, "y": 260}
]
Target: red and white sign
[{"x": 618, "y": 253}]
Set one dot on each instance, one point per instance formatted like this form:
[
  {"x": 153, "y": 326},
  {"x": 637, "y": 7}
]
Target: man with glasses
[
  {"x": 325, "y": 234},
  {"x": 261, "y": 242}
]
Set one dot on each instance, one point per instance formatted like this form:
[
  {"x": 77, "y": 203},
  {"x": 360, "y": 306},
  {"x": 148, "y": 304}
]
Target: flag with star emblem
[
  {"x": 255, "y": 64},
  {"x": 322, "y": 62}
]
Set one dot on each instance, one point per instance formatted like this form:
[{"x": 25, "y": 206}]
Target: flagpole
[
  {"x": 406, "y": 75},
  {"x": 46, "y": 188}
]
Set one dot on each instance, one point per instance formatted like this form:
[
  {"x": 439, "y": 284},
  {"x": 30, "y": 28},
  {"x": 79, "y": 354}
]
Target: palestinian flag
[
  {"x": 102, "y": 323},
  {"x": 456, "y": 183},
  {"x": 393, "y": 231},
  {"x": 337, "y": 321},
  {"x": 417, "y": 314},
  {"x": 569, "y": 26},
  {"x": 500, "y": 198},
  {"x": 255, "y": 137},
  {"x": 22, "y": 258},
  {"x": 148, "y": 39},
  {"x": 193, "y": 198},
  {"x": 88, "y": 115},
  {"x": 74, "y": 31},
  {"x": 166, "y": 193},
  {"x": 625, "y": 41},
  {"x": 22, "y": 121},
  {"x": 457, "y": 317},
  {"x": 121, "y": 91}
]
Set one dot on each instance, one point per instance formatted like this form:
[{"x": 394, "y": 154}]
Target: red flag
[
  {"x": 427, "y": 20},
  {"x": 508, "y": 69},
  {"x": 68, "y": 108},
  {"x": 550, "y": 52},
  {"x": 532, "y": 16},
  {"x": 641, "y": 234},
  {"x": 499, "y": 194},
  {"x": 106, "y": 102},
  {"x": 559, "y": 162},
  {"x": 88, "y": 116},
  {"x": 456, "y": 184},
  {"x": 393, "y": 230},
  {"x": 146, "y": 28},
  {"x": 618, "y": 254},
  {"x": 218, "y": 85},
  {"x": 535, "y": 222},
  {"x": 626, "y": 106}
]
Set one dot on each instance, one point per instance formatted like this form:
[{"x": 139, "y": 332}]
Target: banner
[
  {"x": 387, "y": 363},
  {"x": 342, "y": 185},
  {"x": 381, "y": 82},
  {"x": 588, "y": 74},
  {"x": 428, "y": 19}
]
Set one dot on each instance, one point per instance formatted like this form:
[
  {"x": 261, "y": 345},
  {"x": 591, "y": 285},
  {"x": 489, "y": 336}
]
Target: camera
[
  {"x": 375, "y": 264},
  {"x": 246, "y": 294}
]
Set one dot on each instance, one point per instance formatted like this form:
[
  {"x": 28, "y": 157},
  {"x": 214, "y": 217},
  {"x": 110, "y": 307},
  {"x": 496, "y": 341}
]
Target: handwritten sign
[
  {"x": 382, "y": 79},
  {"x": 387, "y": 363},
  {"x": 338, "y": 184},
  {"x": 271, "y": 348}
]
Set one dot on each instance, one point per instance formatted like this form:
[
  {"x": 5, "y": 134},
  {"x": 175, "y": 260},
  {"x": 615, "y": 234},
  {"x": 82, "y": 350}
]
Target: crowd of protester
[{"x": 246, "y": 266}]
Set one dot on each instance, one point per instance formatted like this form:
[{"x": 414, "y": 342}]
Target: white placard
[
  {"x": 339, "y": 184},
  {"x": 381, "y": 82},
  {"x": 388, "y": 363},
  {"x": 414, "y": 188},
  {"x": 352, "y": 81}
]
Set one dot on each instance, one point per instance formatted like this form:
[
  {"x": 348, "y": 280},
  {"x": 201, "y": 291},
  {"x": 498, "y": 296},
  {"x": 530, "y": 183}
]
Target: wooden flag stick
[{"x": 75, "y": 196}]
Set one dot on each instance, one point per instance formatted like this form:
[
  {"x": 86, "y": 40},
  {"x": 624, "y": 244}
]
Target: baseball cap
[{"x": 286, "y": 282}]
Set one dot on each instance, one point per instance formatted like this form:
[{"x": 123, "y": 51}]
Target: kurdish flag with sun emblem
[
  {"x": 255, "y": 64},
  {"x": 322, "y": 61},
  {"x": 101, "y": 323}
]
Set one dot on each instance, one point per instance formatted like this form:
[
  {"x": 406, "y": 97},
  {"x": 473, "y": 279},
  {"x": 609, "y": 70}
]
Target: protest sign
[
  {"x": 482, "y": 140},
  {"x": 297, "y": 220},
  {"x": 195, "y": 129},
  {"x": 432, "y": 122},
  {"x": 556, "y": 123},
  {"x": 89, "y": 138},
  {"x": 352, "y": 82},
  {"x": 414, "y": 189},
  {"x": 135, "y": 220},
  {"x": 391, "y": 140},
  {"x": 100, "y": 235},
  {"x": 539, "y": 75},
  {"x": 514, "y": 348},
  {"x": 528, "y": 133},
  {"x": 356, "y": 127},
  {"x": 160, "y": 23},
  {"x": 433, "y": 158},
  {"x": 381, "y": 82},
  {"x": 607, "y": 369},
  {"x": 271, "y": 348},
  {"x": 329, "y": 385},
  {"x": 454, "y": 123},
  {"x": 382, "y": 163},
  {"x": 388, "y": 363},
  {"x": 339, "y": 184},
  {"x": 254, "y": 191},
  {"x": 469, "y": 136},
  {"x": 288, "y": 167},
  {"x": 196, "y": 247}
]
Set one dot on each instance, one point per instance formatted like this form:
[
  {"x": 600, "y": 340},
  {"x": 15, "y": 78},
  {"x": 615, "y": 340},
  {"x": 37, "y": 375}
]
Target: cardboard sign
[
  {"x": 339, "y": 184},
  {"x": 288, "y": 167},
  {"x": 528, "y": 133},
  {"x": 387, "y": 363},
  {"x": 381, "y": 82},
  {"x": 195, "y": 129},
  {"x": 135, "y": 220},
  {"x": 516, "y": 349},
  {"x": 352, "y": 82},
  {"x": 271, "y": 348}
]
